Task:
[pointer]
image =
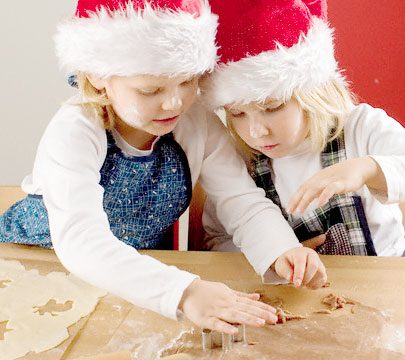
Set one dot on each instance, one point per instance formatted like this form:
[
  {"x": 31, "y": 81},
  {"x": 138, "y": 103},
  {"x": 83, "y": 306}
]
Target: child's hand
[
  {"x": 215, "y": 306},
  {"x": 314, "y": 242},
  {"x": 302, "y": 267},
  {"x": 347, "y": 176}
]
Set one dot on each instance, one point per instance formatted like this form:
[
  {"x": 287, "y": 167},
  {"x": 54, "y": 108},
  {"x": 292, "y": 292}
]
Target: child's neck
[{"x": 139, "y": 139}]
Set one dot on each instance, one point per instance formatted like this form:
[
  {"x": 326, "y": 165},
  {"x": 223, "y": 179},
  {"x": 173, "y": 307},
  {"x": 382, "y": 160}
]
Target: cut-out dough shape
[
  {"x": 28, "y": 289},
  {"x": 53, "y": 308}
]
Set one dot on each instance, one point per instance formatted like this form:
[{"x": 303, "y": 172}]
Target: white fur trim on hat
[
  {"x": 133, "y": 42},
  {"x": 276, "y": 73}
]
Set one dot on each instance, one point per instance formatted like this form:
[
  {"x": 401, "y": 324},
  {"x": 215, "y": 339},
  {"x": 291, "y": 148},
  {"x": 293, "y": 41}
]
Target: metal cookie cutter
[
  {"x": 212, "y": 339},
  {"x": 227, "y": 342},
  {"x": 206, "y": 336},
  {"x": 241, "y": 335}
]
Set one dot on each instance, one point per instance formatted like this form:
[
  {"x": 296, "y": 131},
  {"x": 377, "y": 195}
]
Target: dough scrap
[
  {"x": 282, "y": 314},
  {"x": 336, "y": 301}
]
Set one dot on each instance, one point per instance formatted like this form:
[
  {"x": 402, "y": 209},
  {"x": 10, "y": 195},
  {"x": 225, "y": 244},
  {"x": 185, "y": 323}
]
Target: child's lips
[
  {"x": 166, "y": 121},
  {"x": 269, "y": 147}
]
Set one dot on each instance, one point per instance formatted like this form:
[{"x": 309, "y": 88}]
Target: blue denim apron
[{"x": 143, "y": 197}]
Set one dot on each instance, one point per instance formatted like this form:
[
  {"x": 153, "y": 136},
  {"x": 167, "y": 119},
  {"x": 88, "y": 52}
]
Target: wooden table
[{"x": 378, "y": 282}]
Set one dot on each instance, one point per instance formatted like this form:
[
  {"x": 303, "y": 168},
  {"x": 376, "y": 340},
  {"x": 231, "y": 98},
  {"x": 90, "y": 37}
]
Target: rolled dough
[{"x": 24, "y": 297}]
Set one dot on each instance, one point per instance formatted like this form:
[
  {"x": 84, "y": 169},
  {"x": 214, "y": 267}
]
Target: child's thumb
[{"x": 284, "y": 268}]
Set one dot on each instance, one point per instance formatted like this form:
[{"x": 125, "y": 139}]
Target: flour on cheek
[{"x": 131, "y": 116}]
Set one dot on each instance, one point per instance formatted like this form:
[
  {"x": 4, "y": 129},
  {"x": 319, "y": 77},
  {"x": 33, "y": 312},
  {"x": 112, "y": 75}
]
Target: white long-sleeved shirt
[
  {"x": 67, "y": 173},
  {"x": 368, "y": 132}
]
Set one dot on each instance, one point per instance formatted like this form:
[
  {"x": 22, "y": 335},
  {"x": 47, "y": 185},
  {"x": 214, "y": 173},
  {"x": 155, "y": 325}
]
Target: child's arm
[
  {"x": 256, "y": 223},
  {"x": 68, "y": 164},
  {"x": 375, "y": 145},
  {"x": 67, "y": 167},
  {"x": 347, "y": 176}
]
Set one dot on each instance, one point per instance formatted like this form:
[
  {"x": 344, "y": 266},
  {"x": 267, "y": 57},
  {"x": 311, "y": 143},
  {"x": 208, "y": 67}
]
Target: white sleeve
[
  {"x": 255, "y": 222},
  {"x": 70, "y": 156},
  {"x": 215, "y": 237},
  {"x": 377, "y": 135}
]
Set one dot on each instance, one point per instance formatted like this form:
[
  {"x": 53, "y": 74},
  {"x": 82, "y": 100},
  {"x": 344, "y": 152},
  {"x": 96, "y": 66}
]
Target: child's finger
[
  {"x": 311, "y": 267},
  {"x": 213, "y": 323},
  {"x": 258, "y": 304},
  {"x": 295, "y": 199},
  {"x": 252, "y": 296},
  {"x": 320, "y": 277},
  {"x": 235, "y": 316},
  {"x": 310, "y": 195},
  {"x": 299, "y": 270},
  {"x": 284, "y": 268},
  {"x": 329, "y": 191},
  {"x": 254, "y": 310},
  {"x": 317, "y": 281},
  {"x": 322, "y": 271}
]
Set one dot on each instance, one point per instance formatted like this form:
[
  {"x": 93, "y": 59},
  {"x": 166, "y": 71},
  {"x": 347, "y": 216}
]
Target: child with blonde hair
[
  {"x": 117, "y": 164},
  {"x": 335, "y": 168}
]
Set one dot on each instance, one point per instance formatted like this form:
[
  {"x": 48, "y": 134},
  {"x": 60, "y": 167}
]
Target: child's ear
[{"x": 97, "y": 82}]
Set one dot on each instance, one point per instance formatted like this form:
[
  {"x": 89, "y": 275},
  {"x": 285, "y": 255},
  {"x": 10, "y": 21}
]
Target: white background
[{"x": 32, "y": 86}]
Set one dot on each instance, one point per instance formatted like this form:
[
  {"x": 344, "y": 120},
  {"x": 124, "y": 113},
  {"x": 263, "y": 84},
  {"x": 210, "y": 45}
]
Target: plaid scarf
[{"x": 342, "y": 219}]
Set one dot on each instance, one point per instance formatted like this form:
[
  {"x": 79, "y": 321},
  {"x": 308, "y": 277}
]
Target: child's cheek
[
  {"x": 132, "y": 117},
  {"x": 243, "y": 130},
  {"x": 189, "y": 96}
]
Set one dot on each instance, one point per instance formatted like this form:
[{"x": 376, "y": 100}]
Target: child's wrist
[
  {"x": 371, "y": 171},
  {"x": 188, "y": 290}
]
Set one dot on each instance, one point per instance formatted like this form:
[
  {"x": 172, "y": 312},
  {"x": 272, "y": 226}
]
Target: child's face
[
  {"x": 151, "y": 103},
  {"x": 274, "y": 128}
]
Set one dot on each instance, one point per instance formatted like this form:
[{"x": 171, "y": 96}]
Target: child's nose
[
  {"x": 256, "y": 128},
  {"x": 172, "y": 103}
]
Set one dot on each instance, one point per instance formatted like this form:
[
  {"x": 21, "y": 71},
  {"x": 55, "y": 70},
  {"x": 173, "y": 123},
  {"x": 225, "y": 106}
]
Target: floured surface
[
  {"x": 346, "y": 335},
  {"x": 115, "y": 324},
  {"x": 355, "y": 332},
  {"x": 36, "y": 310},
  {"x": 149, "y": 336},
  {"x": 146, "y": 334}
]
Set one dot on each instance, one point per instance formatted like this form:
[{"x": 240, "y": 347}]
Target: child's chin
[
  {"x": 163, "y": 130},
  {"x": 273, "y": 154}
]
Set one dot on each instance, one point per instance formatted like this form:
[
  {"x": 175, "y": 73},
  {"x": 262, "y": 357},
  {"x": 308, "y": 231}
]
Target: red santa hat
[
  {"x": 132, "y": 37},
  {"x": 269, "y": 49},
  {"x": 318, "y": 8}
]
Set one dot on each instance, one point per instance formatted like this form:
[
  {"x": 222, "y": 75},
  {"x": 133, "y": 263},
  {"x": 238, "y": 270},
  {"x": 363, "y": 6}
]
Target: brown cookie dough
[
  {"x": 336, "y": 302},
  {"x": 353, "y": 335}
]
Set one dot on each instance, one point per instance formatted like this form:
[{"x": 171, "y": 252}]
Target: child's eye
[
  {"x": 148, "y": 92},
  {"x": 274, "y": 109},
  {"x": 237, "y": 114},
  {"x": 187, "y": 82}
]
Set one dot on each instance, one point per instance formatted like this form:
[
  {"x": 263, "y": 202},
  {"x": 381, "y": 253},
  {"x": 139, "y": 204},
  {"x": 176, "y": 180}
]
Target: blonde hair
[
  {"x": 325, "y": 108},
  {"x": 95, "y": 101}
]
